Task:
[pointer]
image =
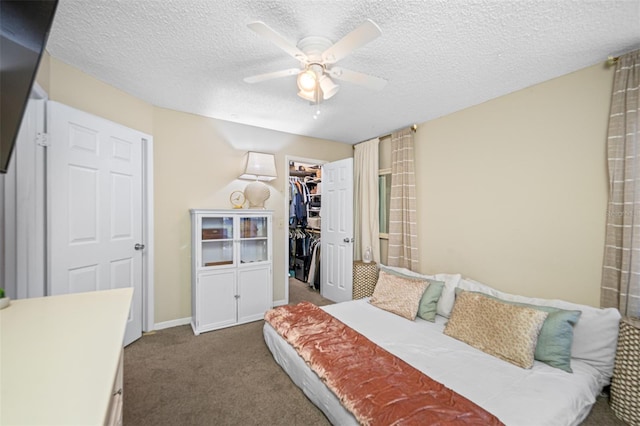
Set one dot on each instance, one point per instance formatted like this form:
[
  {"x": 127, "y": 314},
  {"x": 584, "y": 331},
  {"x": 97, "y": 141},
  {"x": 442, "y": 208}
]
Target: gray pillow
[{"x": 429, "y": 301}]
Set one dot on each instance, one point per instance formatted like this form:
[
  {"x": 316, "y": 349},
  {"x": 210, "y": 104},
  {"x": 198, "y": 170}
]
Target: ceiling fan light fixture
[
  {"x": 309, "y": 95},
  {"x": 307, "y": 80},
  {"x": 329, "y": 88}
]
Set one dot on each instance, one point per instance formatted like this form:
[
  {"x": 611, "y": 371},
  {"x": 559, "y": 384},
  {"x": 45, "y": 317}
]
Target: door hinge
[{"x": 42, "y": 139}]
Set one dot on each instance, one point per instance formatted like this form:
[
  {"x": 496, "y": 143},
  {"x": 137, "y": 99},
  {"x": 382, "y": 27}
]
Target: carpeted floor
[{"x": 227, "y": 377}]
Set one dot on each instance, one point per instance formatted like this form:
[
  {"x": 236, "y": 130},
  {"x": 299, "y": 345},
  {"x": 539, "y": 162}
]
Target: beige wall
[
  {"x": 513, "y": 192},
  {"x": 42, "y": 76},
  {"x": 196, "y": 164},
  {"x": 197, "y": 161},
  {"x": 72, "y": 87}
]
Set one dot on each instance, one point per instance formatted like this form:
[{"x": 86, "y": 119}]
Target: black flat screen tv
[{"x": 24, "y": 29}]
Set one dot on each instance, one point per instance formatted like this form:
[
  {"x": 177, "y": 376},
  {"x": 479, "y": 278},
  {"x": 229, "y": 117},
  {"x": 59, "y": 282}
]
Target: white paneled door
[
  {"x": 94, "y": 175},
  {"x": 337, "y": 230}
]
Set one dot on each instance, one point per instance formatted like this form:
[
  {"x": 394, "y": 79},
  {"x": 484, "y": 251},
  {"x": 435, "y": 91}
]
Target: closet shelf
[{"x": 299, "y": 173}]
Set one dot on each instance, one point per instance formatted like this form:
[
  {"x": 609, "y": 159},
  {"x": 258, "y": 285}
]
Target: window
[{"x": 384, "y": 195}]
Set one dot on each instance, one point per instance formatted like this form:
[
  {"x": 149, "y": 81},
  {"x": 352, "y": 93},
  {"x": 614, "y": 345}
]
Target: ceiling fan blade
[
  {"x": 365, "y": 80},
  {"x": 271, "y": 75},
  {"x": 267, "y": 32},
  {"x": 362, "y": 35}
]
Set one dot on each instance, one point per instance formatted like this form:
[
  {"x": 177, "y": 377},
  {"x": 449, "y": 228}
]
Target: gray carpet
[{"x": 227, "y": 377}]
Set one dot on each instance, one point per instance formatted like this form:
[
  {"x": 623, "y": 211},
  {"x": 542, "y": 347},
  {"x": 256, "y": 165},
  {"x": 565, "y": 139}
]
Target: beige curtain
[
  {"x": 403, "y": 230},
  {"x": 365, "y": 194},
  {"x": 621, "y": 270}
]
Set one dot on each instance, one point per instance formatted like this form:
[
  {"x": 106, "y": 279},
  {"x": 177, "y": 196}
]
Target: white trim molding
[
  {"x": 173, "y": 323},
  {"x": 148, "y": 299}
]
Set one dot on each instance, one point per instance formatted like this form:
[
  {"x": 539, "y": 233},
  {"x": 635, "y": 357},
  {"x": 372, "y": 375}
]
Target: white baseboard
[
  {"x": 186, "y": 321},
  {"x": 172, "y": 323}
]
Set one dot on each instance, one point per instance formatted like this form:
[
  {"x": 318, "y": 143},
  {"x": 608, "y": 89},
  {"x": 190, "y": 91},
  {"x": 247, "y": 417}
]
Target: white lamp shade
[
  {"x": 329, "y": 88},
  {"x": 260, "y": 167},
  {"x": 307, "y": 80},
  {"x": 308, "y": 95}
]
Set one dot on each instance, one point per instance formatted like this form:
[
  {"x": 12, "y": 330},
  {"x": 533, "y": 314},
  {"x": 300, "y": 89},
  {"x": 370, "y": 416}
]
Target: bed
[{"x": 540, "y": 395}]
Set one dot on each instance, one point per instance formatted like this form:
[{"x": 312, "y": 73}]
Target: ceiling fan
[{"x": 317, "y": 57}]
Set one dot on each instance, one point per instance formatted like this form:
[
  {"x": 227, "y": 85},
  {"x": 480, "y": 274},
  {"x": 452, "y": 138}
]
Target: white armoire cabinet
[{"x": 232, "y": 267}]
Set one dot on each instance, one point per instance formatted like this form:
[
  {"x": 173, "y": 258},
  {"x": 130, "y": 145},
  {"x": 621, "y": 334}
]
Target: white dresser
[{"x": 61, "y": 359}]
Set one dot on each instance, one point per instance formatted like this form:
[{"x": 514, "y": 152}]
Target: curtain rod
[
  {"x": 612, "y": 60},
  {"x": 413, "y": 128}
]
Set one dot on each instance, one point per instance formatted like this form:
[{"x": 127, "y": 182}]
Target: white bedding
[{"x": 540, "y": 396}]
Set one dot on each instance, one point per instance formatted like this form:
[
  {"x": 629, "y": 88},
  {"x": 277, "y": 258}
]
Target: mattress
[{"x": 542, "y": 395}]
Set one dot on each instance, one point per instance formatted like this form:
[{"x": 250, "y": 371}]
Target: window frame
[{"x": 384, "y": 172}]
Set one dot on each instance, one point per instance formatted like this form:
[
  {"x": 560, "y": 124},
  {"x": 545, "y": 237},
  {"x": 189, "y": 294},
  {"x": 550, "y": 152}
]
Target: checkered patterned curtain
[
  {"x": 621, "y": 269},
  {"x": 403, "y": 229}
]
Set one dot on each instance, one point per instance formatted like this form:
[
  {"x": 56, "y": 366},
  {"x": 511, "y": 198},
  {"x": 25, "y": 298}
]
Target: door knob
[
  {"x": 348, "y": 240},
  {"x": 139, "y": 246}
]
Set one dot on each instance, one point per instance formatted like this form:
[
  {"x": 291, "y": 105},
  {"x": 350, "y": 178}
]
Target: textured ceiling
[{"x": 438, "y": 56}]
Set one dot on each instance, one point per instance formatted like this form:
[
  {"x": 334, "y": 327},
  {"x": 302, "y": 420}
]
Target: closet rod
[{"x": 413, "y": 128}]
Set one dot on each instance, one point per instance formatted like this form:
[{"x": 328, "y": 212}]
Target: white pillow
[
  {"x": 595, "y": 336},
  {"x": 448, "y": 296}
]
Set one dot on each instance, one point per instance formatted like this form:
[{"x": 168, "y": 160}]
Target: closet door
[{"x": 337, "y": 230}]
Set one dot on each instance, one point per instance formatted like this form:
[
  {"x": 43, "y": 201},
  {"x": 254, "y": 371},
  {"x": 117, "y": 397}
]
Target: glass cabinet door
[
  {"x": 253, "y": 239},
  {"x": 217, "y": 241}
]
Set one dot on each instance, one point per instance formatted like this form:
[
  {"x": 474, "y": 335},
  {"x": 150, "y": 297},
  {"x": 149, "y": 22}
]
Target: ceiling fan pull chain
[{"x": 318, "y": 98}]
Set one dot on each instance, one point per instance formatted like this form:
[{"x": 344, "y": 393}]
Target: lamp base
[{"x": 256, "y": 193}]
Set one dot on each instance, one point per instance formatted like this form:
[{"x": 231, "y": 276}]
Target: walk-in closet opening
[{"x": 305, "y": 224}]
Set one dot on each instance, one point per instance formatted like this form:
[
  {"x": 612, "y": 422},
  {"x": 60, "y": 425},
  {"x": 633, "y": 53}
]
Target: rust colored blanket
[{"x": 374, "y": 385}]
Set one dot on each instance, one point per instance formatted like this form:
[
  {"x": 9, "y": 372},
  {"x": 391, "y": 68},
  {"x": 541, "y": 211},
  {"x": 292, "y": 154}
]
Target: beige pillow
[
  {"x": 399, "y": 295},
  {"x": 506, "y": 331}
]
